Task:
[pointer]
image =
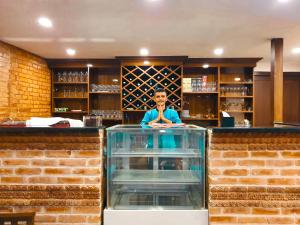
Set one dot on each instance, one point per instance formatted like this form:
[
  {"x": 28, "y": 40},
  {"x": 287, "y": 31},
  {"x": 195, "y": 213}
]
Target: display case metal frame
[{"x": 180, "y": 188}]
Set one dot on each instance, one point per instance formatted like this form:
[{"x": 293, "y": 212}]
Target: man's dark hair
[{"x": 159, "y": 90}]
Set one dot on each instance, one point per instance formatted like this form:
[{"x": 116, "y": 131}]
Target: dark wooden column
[{"x": 277, "y": 77}]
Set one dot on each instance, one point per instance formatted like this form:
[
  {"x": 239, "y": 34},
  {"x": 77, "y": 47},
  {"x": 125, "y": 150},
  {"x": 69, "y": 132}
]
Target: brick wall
[
  {"x": 254, "y": 178},
  {"x": 56, "y": 174},
  {"x": 25, "y": 84}
]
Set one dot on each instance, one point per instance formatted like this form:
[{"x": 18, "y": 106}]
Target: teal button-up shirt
[
  {"x": 164, "y": 141},
  {"x": 169, "y": 114}
]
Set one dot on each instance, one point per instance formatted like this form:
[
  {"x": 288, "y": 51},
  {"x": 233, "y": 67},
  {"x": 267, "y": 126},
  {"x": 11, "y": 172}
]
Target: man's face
[{"x": 160, "y": 98}]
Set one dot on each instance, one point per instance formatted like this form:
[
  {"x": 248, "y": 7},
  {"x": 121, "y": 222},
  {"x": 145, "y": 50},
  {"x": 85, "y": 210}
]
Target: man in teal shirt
[
  {"x": 161, "y": 114},
  {"x": 166, "y": 142}
]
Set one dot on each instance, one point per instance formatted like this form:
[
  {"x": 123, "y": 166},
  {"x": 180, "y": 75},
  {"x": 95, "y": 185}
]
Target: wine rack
[{"x": 140, "y": 82}]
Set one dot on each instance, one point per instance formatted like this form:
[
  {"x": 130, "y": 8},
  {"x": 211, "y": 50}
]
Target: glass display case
[{"x": 156, "y": 168}]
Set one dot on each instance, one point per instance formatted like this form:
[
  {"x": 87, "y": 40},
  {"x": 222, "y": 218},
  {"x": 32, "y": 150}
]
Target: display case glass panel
[{"x": 156, "y": 168}]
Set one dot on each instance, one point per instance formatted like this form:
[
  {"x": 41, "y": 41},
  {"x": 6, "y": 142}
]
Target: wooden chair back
[{"x": 17, "y": 218}]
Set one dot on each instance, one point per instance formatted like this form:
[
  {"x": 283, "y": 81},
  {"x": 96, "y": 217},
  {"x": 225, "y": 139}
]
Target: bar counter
[
  {"x": 55, "y": 172},
  {"x": 253, "y": 175}
]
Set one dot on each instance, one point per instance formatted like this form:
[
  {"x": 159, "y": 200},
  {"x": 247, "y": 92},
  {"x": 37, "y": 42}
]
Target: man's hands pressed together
[{"x": 161, "y": 109}]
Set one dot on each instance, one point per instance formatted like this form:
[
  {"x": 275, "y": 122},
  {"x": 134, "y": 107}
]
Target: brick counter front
[
  {"x": 55, "y": 172},
  {"x": 254, "y": 176}
]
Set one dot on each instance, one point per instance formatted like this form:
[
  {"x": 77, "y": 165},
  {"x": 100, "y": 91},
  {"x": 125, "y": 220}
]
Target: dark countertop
[
  {"x": 10, "y": 130},
  {"x": 256, "y": 130}
]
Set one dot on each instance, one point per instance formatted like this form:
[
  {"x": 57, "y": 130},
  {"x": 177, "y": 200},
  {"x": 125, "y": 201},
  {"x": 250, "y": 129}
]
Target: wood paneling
[
  {"x": 291, "y": 99},
  {"x": 263, "y": 95},
  {"x": 263, "y": 100},
  {"x": 277, "y": 77}
]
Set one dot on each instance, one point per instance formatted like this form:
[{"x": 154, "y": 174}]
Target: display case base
[{"x": 155, "y": 217}]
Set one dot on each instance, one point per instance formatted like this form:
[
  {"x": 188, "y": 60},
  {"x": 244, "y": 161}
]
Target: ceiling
[{"x": 109, "y": 28}]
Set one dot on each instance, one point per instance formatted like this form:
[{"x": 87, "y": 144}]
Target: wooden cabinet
[
  {"x": 121, "y": 89},
  {"x": 79, "y": 90},
  {"x": 70, "y": 92},
  {"x": 221, "y": 85},
  {"x": 104, "y": 94},
  {"x": 236, "y": 93},
  {"x": 200, "y": 95}
]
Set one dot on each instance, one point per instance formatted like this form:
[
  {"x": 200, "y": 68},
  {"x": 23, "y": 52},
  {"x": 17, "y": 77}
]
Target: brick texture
[
  {"x": 25, "y": 84},
  {"x": 254, "y": 178},
  {"x": 59, "y": 182}
]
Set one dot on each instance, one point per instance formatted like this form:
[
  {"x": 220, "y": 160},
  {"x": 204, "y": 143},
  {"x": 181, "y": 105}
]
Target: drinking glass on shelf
[
  {"x": 210, "y": 86},
  {"x": 76, "y": 92},
  {"x": 240, "y": 90},
  {"x": 236, "y": 91},
  {"x": 226, "y": 91},
  {"x": 245, "y": 90},
  {"x": 76, "y": 77},
  {"x": 72, "y": 92},
  {"x": 214, "y": 87},
  {"x": 81, "y": 75},
  {"x": 70, "y": 77},
  {"x": 222, "y": 91},
  {"x": 64, "y": 77},
  {"x": 59, "y": 77},
  {"x": 69, "y": 90},
  {"x": 86, "y": 76}
]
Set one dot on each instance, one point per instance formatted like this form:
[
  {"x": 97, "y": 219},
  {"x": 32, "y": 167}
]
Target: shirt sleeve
[
  {"x": 146, "y": 118},
  {"x": 175, "y": 117}
]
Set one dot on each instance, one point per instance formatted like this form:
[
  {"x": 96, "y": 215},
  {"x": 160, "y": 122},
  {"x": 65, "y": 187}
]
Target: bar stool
[{"x": 15, "y": 218}]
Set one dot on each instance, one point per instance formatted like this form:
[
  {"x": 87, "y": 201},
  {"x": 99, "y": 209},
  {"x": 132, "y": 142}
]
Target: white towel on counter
[{"x": 47, "y": 122}]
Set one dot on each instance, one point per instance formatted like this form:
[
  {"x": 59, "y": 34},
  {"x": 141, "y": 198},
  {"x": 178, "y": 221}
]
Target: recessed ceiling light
[
  {"x": 89, "y": 65},
  {"x": 45, "y": 22},
  {"x": 205, "y": 66},
  {"x": 71, "y": 51},
  {"x": 218, "y": 51},
  {"x": 146, "y": 62},
  {"x": 296, "y": 51},
  {"x": 144, "y": 51}
]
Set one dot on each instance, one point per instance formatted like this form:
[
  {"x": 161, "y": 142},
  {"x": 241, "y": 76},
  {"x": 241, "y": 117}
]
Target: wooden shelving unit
[
  {"x": 105, "y": 93},
  {"x": 70, "y": 112},
  {"x": 103, "y": 73},
  {"x": 69, "y": 83},
  {"x": 70, "y": 90},
  {"x": 139, "y": 83},
  {"x": 200, "y": 93},
  {"x": 228, "y": 96},
  {"x": 136, "y": 83},
  {"x": 236, "y": 92}
]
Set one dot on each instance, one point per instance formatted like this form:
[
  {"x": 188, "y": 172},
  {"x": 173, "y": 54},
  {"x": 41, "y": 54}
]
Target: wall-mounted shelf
[
  {"x": 137, "y": 82},
  {"x": 228, "y": 96},
  {"x": 64, "y": 83},
  {"x": 70, "y": 112},
  {"x": 105, "y": 93},
  {"x": 200, "y": 93},
  {"x": 236, "y": 83}
]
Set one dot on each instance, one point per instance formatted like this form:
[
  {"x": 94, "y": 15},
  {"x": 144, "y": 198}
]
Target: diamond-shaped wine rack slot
[{"x": 140, "y": 82}]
